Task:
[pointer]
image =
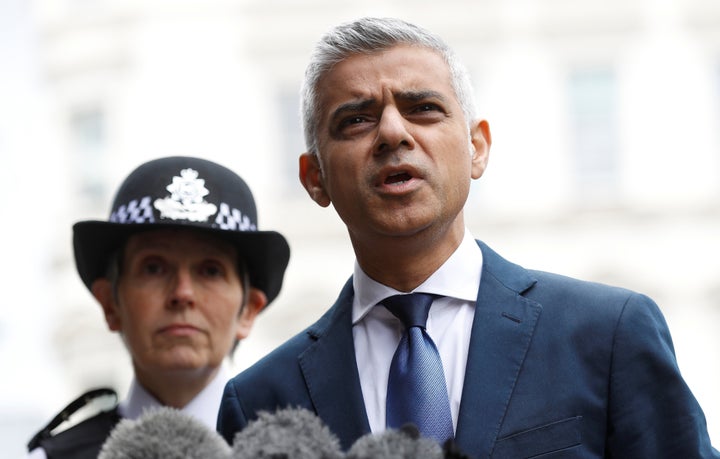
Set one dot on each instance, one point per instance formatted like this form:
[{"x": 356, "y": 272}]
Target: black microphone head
[
  {"x": 165, "y": 433},
  {"x": 405, "y": 443},
  {"x": 290, "y": 433},
  {"x": 452, "y": 451}
]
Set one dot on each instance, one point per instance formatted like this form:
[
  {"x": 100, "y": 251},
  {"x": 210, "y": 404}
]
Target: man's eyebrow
[
  {"x": 417, "y": 96},
  {"x": 350, "y": 107},
  {"x": 407, "y": 96}
]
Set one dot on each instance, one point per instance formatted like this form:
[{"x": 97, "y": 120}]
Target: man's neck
[{"x": 404, "y": 263}]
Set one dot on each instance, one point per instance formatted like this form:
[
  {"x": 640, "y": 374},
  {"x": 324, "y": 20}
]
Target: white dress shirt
[
  {"x": 376, "y": 332},
  {"x": 204, "y": 406}
]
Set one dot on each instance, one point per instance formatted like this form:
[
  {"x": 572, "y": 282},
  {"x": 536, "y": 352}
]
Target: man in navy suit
[{"x": 535, "y": 364}]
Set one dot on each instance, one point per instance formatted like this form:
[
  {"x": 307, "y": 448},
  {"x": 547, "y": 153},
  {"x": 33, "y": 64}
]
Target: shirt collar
[
  {"x": 204, "y": 406},
  {"x": 458, "y": 277}
]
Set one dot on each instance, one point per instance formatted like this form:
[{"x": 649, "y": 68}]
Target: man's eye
[
  {"x": 352, "y": 120},
  {"x": 427, "y": 107}
]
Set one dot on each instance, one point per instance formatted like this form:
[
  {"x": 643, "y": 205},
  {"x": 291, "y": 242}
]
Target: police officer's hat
[{"x": 184, "y": 192}]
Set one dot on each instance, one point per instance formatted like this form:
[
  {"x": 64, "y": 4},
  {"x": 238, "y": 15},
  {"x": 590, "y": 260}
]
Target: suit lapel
[
  {"x": 502, "y": 330},
  {"x": 331, "y": 375}
]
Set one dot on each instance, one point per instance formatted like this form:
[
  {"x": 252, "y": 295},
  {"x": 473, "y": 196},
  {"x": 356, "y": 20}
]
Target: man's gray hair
[{"x": 367, "y": 36}]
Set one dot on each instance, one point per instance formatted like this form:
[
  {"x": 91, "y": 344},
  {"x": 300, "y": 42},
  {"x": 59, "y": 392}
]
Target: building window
[
  {"x": 88, "y": 137},
  {"x": 594, "y": 131},
  {"x": 293, "y": 142}
]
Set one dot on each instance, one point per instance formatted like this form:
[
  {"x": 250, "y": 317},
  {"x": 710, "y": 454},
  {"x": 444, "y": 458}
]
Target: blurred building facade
[{"x": 605, "y": 163}]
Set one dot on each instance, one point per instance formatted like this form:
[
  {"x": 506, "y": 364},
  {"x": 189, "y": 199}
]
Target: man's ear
[
  {"x": 103, "y": 292},
  {"x": 256, "y": 302},
  {"x": 312, "y": 179},
  {"x": 480, "y": 140}
]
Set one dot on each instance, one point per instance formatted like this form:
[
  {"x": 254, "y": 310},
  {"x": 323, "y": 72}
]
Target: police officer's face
[{"x": 178, "y": 301}]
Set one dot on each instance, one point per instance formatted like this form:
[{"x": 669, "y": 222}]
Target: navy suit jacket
[{"x": 557, "y": 367}]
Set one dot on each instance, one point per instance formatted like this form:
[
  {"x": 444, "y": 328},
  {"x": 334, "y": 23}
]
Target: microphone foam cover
[
  {"x": 290, "y": 433},
  {"x": 167, "y": 433},
  {"x": 394, "y": 444}
]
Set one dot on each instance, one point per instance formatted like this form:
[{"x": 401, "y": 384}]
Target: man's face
[
  {"x": 394, "y": 147},
  {"x": 178, "y": 301}
]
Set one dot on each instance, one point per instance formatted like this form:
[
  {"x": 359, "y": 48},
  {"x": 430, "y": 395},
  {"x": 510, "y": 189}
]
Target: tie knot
[{"x": 412, "y": 309}]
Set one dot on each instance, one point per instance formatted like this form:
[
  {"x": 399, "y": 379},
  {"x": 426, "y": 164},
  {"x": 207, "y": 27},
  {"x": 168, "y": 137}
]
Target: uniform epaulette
[{"x": 65, "y": 415}]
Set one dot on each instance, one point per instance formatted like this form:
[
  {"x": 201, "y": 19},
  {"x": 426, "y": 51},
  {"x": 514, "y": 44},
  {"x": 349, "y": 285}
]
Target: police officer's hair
[{"x": 367, "y": 36}]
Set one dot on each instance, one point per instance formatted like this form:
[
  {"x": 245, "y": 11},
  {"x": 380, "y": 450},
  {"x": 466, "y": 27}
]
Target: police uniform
[{"x": 85, "y": 439}]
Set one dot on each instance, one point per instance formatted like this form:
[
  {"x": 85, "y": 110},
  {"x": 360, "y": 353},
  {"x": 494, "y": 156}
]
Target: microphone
[
  {"x": 452, "y": 451},
  {"x": 167, "y": 433},
  {"x": 290, "y": 433},
  {"x": 404, "y": 443}
]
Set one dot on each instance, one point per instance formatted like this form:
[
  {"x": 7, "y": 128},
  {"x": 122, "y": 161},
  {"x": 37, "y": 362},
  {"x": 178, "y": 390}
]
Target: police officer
[{"x": 181, "y": 271}]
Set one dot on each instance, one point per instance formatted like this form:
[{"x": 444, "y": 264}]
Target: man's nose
[{"x": 393, "y": 131}]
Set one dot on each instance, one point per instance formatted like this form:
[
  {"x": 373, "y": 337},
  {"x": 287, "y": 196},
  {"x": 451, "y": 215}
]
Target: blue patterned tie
[{"x": 416, "y": 388}]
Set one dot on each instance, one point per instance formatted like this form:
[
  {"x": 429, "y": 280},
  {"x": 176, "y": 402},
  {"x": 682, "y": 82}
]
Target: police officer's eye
[
  {"x": 212, "y": 270},
  {"x": 152, "y": 268}
]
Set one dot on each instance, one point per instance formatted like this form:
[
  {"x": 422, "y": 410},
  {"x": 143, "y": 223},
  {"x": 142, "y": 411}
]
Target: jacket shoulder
[
  {"x": 553, "y": 288},
  {"x": 285, "y": 356},
  {"x": 562, "y": 295},
  {"x": 82, "y": 439}
]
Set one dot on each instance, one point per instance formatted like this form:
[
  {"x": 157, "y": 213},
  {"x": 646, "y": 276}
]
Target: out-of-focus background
[{"x": 605, "y": 163}]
